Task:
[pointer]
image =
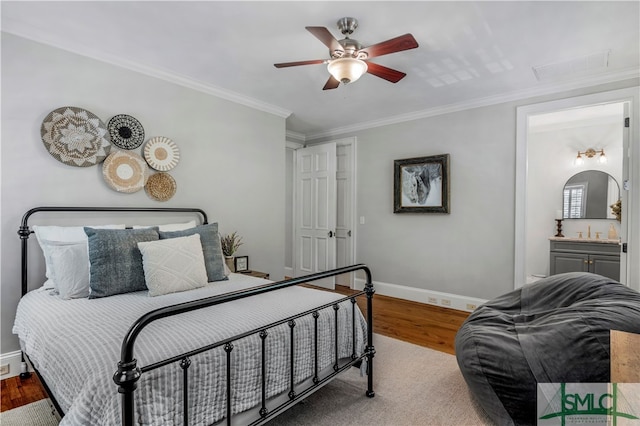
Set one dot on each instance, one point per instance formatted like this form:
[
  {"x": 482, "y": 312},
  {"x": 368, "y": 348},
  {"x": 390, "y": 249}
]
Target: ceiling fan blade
[
  {"x": 325, "y": 37},
  {"x": 398, "y": 44},
  {"x": 295, "y": 64},
  {"x": 332, "y": 83},
  {"x": 384, "y": 72}
]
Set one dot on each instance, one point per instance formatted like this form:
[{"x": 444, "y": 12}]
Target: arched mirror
[{"x": 589, "y": 195}]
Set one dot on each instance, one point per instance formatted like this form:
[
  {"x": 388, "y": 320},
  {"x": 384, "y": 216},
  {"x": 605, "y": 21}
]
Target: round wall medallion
[
  {"x": 161, "y": 153},
  {"x": 161, "y": 186},
  {"x": 125, "y": 171},
  {"x": 75, "y": 136},
  {"x": 125, "y": 131}
]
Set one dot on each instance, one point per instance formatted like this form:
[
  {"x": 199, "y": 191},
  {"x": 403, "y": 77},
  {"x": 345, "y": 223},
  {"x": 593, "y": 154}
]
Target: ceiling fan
[{"x": 349, "y": 59}]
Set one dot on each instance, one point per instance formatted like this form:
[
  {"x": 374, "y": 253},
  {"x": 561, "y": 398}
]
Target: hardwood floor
[
  {"x": 421, "y": 324},
  {"x": 418, "y": 323},
  {"x": 16, "y": 392}
]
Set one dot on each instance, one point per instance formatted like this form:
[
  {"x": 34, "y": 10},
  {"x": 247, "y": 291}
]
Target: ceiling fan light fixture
[{"x": 347, "y": 70}]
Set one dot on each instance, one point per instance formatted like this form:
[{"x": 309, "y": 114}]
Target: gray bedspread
[
  {"x": 75, "y": 344},
  {"x": 553, "y": 331}
]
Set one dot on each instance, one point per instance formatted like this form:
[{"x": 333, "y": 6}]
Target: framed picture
[
  {"x": 421, "y": 185},
  {"x": 241, "y": 263}
]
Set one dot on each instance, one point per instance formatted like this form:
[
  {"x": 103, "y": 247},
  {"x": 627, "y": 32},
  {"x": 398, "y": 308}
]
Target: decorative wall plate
[
  {"x": 75, "y": 136},
  {"x": 125, "y": 131},
  {"x": 161, "y": 153},
  {"x": 161, "y": 186},
  {"x": 125, "y": 171}
]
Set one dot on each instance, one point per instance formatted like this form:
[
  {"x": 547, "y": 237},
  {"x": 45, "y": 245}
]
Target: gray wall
[
  {"x": 469, "y": 252},
  {"x": 232, "y": 157}
]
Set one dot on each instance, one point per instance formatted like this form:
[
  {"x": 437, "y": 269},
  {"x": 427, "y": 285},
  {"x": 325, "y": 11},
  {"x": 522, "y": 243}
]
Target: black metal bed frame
[{"x": 128, "y": 372}]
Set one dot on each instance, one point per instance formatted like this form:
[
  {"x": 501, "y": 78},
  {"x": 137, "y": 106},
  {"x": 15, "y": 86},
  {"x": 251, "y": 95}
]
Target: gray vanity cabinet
[{"x": 597, "y": 257}]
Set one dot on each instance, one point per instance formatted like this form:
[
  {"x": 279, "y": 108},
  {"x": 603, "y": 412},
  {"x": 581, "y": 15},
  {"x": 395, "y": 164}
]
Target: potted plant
[{"x": 230, "y": 244}]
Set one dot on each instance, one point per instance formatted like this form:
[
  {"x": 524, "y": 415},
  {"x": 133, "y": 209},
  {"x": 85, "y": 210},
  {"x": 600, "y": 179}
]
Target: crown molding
[
  {"x": 539, "y": 90},
  {"x": 293, "y": 145},
  {"x": 296, "y": 137},
  {"x": 38, "y": 36}
]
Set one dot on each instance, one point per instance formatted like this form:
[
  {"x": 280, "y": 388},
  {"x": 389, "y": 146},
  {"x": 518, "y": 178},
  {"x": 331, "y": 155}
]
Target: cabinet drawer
[{"x": 588, "y": 248}]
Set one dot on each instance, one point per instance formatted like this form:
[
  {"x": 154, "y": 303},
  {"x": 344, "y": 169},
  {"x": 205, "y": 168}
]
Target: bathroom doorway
[{"x": 550, "y": 136}]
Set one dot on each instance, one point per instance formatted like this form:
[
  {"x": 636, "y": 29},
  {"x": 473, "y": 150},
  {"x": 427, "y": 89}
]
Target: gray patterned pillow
[
  {"x": 115, "y": 260},
  {"x": 210, "y": 239}
]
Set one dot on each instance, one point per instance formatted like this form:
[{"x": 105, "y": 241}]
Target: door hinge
[
  {"x": 626, "y": 122},
  {"x": 624, "y": 247}
]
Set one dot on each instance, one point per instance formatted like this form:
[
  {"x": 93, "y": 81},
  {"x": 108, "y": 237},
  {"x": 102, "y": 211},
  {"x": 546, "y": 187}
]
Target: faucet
[{"x": 589, "y": 231}]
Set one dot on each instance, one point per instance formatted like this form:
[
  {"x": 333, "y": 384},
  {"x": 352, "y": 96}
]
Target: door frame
[
  {"x": 342, "y": 141},
  {"x": 632, "y": 209}
]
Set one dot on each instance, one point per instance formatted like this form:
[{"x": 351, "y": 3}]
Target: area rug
[
  {"x": 39, "y": 413},
  {"x": 413, "y": 386}
]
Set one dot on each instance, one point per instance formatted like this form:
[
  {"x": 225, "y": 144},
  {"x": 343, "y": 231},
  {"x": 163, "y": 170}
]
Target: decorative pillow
[
  {"x": 69, "y": 263},
  {"x": 170, "y": 227},
  {"x": 173, "y": 265},
  {"x": 63, "y": 233},
  {"x": 115, "y": 261},
  {"x": 210, "y": 240}
]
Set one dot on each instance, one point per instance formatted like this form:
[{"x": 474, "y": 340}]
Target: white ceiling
[{"x": 470, "y": 53}]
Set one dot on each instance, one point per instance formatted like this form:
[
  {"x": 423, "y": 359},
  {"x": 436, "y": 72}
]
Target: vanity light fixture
[{"x": 590, "y": 153}]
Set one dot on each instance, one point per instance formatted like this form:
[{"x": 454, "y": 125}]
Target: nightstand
[{"x": 256, "y": 274}]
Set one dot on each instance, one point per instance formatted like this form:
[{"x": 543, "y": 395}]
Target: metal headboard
[{"x": 24, "y": 230}]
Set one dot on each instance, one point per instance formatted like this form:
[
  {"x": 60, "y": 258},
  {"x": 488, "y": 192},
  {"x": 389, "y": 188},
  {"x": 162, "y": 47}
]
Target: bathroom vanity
[{"x": 599, "y": 256}]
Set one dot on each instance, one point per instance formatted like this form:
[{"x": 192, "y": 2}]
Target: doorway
[
  {"x": 324, "y": 209},
  {"x": 534, "y": 224}
]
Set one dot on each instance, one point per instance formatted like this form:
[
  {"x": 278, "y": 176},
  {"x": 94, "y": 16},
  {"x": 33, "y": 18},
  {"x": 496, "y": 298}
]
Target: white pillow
[
  {"x": 64, "y": 234},
  {"x": 69, "y": 263},
  {"x": 173, "y": 265},
  {"x": 170, "y": 227}
]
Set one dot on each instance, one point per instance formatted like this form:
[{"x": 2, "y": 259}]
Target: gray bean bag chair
[{"x": 553, "y": 331}]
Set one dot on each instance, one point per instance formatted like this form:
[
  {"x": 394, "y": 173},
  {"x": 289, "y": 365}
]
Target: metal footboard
[{"x": 128, "y": 373}]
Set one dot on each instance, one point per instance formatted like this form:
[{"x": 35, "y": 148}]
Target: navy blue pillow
[
  {"x": 211, "y": 248},
  {"x": 115, "y": 262}
]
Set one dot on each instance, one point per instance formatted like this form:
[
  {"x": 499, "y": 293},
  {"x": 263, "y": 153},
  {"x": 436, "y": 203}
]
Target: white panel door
[
  {"x": 344, "y": 216},
  {"x": 316, "y": 211},
  {"x": 624, "y": 195}
]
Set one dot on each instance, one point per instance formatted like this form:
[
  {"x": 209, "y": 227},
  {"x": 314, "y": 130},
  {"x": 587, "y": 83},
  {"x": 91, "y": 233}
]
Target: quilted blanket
[{"x": 75, "y": 345}]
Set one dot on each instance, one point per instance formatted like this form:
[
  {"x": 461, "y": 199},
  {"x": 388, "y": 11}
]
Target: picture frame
[
  {"x": 421, "y": 184},
  {"x": 241, "y": 263}
]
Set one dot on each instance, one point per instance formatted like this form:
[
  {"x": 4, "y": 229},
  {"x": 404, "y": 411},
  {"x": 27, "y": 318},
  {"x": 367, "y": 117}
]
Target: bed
[
  {"x": 238, "y": 350},
  {"x": 555, "y": 330}
]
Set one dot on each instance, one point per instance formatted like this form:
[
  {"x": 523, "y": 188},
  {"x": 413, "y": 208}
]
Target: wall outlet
[
  {"x": 445, "y": 302},
  {"x": 471, "y": 306},
  {"x": 4, "y": 369},
  {"x": 432, "y": 300}
]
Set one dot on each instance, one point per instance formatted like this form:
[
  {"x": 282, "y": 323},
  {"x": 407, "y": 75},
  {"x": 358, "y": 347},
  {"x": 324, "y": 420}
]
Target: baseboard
[
  {"x": 288, "y": 271},
  {"x": 437, "y": 298},
  {"x": 14, "y": 361}
]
